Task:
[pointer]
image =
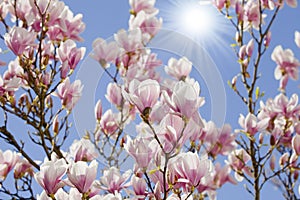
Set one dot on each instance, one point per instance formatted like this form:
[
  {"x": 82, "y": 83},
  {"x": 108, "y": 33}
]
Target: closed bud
[
  {"x": 261, "y": 138},
  {"x": 296, "y": 175},
  {"x": 98, "y": 110},
  {"x": 272, "y": 162},
  {"x": 267, "y": 39},
  {"x": 283, "y": 159},
  {"x": 272, "y": 140},
  {"x": 55, "y": 125},
  {"x": 49, "y": 101}
]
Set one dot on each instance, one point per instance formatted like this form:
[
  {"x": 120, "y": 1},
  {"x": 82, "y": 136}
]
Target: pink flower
[
  {"x": 131, "y": 41},
  {"x": 22, "y": 168},
  {"x": 98, "y": 110},
  {"x": 174, "y": 133},
  {"x": 51, "y": 174},
  {"x": 105, "y": 53},
  {"x": 69, "y": 54},
  {"x": 147, "y": 23},
  {"x": 219, "y": 3},
  {"x": 250, "y": 47},
  {"x": 83, "y": 150},
  {"x": 108, "y": 123},
  {"x": 82, "y": 176},
  {"x": 179, "y": 69},
  {"x": 251, "y": 125},
  {"x": 19, "y": 40},
  {"x": 237, "y": 161},
  {"x": 189, "y": 169},
  {"x": 222, "y": 175},
  {"x": 286, "y": 63},
  {"x": 69, "y": 93},
  {"x": 267, "y": 39},
  {"x": 146, "y": 5},
  {"x": 297, "y": 38},
  {"x": 143, "y": 95},
  {"x": 114, "y": 94},
  {"x": 292, "y": 3},
  {"x": 113, "y": 181},
  {"x": 140, "y": 150},
  {"x": 252, "y": 13},
  {"x": 185, "y": 98},
  {"x": 219, "y": 141},
  {"x": 296, "y": 144},
  {"x": 71, "y": 26},
  {"x": 139, "y": 187},
  {"x": 8, "y": 160}
]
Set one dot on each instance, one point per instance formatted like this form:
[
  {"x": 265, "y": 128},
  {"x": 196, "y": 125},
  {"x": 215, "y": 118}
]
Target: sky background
[{"x": 215, "y": 60}]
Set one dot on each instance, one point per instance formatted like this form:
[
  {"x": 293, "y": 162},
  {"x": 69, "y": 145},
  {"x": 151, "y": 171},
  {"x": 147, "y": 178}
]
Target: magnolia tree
[{"x": 175, "y": 153}]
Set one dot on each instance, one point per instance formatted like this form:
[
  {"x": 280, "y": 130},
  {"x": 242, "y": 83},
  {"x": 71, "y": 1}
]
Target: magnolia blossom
[
  {"x": 179, "y": 69},
  {"x": 218, "y": 140},
  {"x": 189, "y": 169},
  {"x": 237, "y": 161},
  {"x": 8, "y": 160},
  {"x": 22, "y": 168},
  {"x": 143, "y": 5},
  {"x": 83, "y": 150},
  {"x": 147, "y": 23},
  {"x": 297, "y": 38},
  {"x": 82, "y": 176},
  {"x": 108, "y": 123},
  {"x": 131, "y": 41},
  {"x": 222, "y": 175},
  {"x": 69, "y": 93},
  {"x": 114, "y": 94},
  {"x": 251, "y": 125},
  {"x": 69, "y": 54},
  {"x": 98, "y": 110},
  {"x": 296, "y": 144},
  {"x": 51, "y": 174},
  {"x": 287, "y": 64},
  {"x": 140, "y": 150},
  {"x": 139, "y": 187},
  {"x": 19, "y": 40},
  {"x": 104, "y": 52},
  {"x": 113, "y": 181},
  {"x": 185, "y": 98},
  {"x": 143, "y": 95}
]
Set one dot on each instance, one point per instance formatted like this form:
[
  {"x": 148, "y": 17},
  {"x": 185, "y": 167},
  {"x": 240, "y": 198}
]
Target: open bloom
[
  {"x": 69, "y": 93},
  {"x": 139, "y": 149},
  {"x": 252, "y": 125},
  {"x": 189, "y": 169},
  {"x": 82, "y": 176},
  {"x": 113, "y": 181},
  {"x": 287, "y": 64},
  {"x": 143, "y": 5},
  {"x": 185, "y": 98},
  {"x": 83, "y": 150},
  {"x": 19, "y": 40},
  {"x": 179, "y": 69},
  {"x": 104, "y": 52},
  {"x": 69, "y": 54},
  {"x": 237, "y": 161},
  {"x": 143, "y": 95},
  {"x": 8, "y": 160},
  {"x": 51, "y": 174}
]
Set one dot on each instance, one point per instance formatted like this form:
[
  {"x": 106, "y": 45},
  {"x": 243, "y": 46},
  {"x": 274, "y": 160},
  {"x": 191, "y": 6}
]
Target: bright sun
[{"x": 196, "y": 19}]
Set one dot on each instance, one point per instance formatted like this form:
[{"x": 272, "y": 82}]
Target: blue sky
[{"x": 104, "y": 18}]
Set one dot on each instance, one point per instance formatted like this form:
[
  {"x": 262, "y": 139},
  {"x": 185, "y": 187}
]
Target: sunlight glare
[{"x": 197, "y": 20}]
